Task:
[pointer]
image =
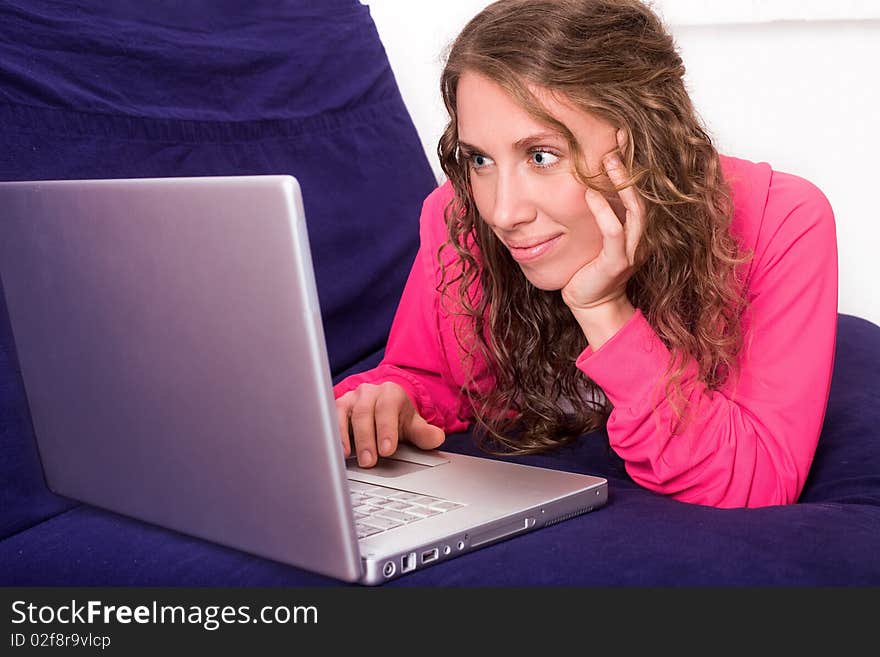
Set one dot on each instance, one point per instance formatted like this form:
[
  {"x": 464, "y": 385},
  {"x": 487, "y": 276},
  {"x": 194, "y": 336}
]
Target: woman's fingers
[
  {"x": 632, "y": 202},
  {"x": 389, "y": 407},
  {"x": 377, "y": 417},
  {"x": 605, "y": 276},
  {"x": 363, "y": 424},
  {"x": 424, "y": 435},
  {"x": 613, "y": 235}
]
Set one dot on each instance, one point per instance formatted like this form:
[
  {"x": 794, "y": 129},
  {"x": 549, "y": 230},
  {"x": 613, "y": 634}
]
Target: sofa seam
[
  {"x": 135, "y": 128},
  {"x": 26, "y": 528}
]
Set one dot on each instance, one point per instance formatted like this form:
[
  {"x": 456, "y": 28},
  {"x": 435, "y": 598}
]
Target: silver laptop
[{"x": 172, "y": 351}]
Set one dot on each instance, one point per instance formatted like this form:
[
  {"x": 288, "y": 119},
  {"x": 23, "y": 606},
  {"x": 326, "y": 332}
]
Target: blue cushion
[
  {"x": 846, "y": 468},
  {"x": 93, "y": 89}
]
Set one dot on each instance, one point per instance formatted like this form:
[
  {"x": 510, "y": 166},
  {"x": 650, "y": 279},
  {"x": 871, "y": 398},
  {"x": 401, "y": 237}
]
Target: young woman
[{"x": 593, "y": 261}]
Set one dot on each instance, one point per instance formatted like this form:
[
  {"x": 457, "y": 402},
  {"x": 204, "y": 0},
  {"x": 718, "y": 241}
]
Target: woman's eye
[
  {"x": 479, "y": 161},
  {"x": 544, "y": 158}
]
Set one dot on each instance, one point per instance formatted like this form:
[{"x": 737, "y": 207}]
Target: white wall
[{"x": 790, "y": 82}]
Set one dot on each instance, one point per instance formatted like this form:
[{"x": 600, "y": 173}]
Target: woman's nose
[{"x": 512, "y": 203}]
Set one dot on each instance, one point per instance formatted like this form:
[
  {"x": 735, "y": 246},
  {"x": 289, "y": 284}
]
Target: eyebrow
[{"x": 521, "y": 144}]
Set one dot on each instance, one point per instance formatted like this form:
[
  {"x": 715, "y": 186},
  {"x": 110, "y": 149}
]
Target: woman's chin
[{"x": 543, "y": 281}]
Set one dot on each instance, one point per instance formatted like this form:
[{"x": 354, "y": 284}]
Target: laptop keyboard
[{"x": 379, "y": 508}]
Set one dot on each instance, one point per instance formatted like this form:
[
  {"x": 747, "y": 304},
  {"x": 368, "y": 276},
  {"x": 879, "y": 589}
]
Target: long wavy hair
[{"x": 614, "y": 59}]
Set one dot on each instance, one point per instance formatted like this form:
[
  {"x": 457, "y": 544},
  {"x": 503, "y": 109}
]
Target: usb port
[
  {"x": 430, "y": 555},
  {"x": 408, "y": 562}
]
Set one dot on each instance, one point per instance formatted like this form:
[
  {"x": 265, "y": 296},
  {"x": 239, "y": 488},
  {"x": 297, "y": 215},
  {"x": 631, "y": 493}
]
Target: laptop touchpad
[{"x": 406, "y": 460}]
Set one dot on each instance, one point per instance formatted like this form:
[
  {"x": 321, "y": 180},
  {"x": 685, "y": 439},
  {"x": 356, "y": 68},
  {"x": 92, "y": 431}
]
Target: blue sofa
[{"x": 129, "y": 89}]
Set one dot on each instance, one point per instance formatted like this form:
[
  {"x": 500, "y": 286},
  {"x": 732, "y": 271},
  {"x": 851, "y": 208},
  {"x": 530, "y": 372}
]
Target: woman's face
[{"x": 523, "y": 181}]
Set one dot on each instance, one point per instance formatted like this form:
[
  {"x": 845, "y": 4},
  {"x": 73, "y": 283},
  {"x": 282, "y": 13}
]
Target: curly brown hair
[{"x": 615, "y": 59}]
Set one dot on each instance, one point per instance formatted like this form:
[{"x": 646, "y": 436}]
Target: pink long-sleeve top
[{"x": 750, "y": 442}]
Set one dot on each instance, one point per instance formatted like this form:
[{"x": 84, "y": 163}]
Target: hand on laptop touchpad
[
  {"x": 406, "y": 460},
  {"x": 412, "y": 454}
]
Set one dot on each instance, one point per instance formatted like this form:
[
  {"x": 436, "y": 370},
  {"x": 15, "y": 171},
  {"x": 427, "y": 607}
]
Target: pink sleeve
[
  {"x": 414, "y": 356},
  {"x": 749, "y": 443}
]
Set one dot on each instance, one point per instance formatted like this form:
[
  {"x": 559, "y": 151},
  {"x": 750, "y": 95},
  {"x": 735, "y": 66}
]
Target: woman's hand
[
  {"x": 378, "y": 417},
  {"x": 603, "y": 279}
]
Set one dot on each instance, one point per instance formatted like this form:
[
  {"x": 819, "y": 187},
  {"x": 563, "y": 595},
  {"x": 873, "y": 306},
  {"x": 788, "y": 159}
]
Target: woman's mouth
[{"x": 532, "y": 250}]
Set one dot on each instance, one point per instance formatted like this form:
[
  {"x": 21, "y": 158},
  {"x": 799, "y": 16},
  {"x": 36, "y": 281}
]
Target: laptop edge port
[
  {"x": 408, "y": 562},
  {"x": 430, "y": 555}
]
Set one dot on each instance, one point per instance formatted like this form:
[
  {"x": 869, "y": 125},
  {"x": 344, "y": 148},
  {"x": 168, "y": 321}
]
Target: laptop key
[
  {"x": 398, "y": 506},
  {"x": 423, "y": 511},
  {"x": 375, "y": 501},
  {"x": 366, "y": 530},
  {"x": 378, "y": 501},
  {"x": 426, "y": 500},
  {"x": 445, "y": 505},
  {"x": 403, "y": 495},
  {"x": 366, "y": 509},
  {"x": 381, "y": 523},
  {"x": 397, "y": 515}
]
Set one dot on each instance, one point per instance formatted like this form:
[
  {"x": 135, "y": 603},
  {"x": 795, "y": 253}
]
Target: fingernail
[
  {"x": 386, "y": 445},
  {"x": 366, "y": 457},
  {"x": 612, "y": 162}
]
